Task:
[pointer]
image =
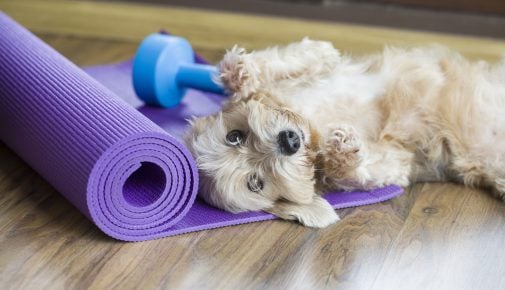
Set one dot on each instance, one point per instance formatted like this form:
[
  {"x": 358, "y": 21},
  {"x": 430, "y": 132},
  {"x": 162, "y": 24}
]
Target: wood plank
[{"x": 464, "y": 255}]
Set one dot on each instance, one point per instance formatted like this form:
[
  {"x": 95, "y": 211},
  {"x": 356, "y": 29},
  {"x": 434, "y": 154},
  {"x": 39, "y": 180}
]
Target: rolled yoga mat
[{"x": 119, "y": 162}]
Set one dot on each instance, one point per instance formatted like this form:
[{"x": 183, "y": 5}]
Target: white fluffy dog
[{"x": 304, "y": 119}]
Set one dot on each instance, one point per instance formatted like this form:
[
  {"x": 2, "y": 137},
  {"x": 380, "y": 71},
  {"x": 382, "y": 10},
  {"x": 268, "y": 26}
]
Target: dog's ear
[
  {"x": 317, "y": 214},
  {"x": 198, "y": 126}
]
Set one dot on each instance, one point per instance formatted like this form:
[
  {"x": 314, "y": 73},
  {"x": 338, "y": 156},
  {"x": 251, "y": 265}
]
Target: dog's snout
[{"x": 289, "y": 142}]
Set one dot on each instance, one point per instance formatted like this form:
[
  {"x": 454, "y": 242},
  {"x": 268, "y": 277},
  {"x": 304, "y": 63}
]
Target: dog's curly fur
[{"x": 401, "y": 116}]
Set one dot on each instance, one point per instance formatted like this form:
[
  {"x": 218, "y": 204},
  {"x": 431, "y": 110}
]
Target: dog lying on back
[{"x": 304, "y": 119}]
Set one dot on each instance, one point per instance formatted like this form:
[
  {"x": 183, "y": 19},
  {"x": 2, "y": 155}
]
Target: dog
[{"x": 304, "y": 119}]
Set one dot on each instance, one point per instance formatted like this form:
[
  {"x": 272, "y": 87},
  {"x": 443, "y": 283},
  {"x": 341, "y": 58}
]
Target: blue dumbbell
[{"x": 164, "y": 67}]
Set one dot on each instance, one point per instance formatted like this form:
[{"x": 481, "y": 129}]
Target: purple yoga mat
[{"x": 119, "y": 162}]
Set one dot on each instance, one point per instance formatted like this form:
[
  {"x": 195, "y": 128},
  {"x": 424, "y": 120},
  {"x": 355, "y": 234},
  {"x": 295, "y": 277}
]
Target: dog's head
[{"x": 257, "y": 155}]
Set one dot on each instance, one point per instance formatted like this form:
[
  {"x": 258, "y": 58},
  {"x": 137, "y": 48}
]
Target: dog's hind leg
[
  {"x": 301, "y": 62},
  {"x": 484, "y": 172},
  {"x": 475, "y": 138}
]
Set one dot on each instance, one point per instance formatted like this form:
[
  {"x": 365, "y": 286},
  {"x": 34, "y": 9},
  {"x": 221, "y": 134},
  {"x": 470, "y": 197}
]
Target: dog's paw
[
  {"x": 324, "y": 52},
  {"x": 317, "y": 214},
  {"x": 236, "y": 71},
  {"x": 344, "y": 139},
  {"x": 321, "y": 220},
  {"x": 344, "y": 146}
]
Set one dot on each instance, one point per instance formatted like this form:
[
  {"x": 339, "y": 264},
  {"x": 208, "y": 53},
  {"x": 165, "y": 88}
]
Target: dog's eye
[
  {"x": 254, "y": 183},
  {"x": 235, "y": 137}
]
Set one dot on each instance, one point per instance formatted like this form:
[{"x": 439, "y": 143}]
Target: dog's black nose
[{"x": 289, "y": 142}]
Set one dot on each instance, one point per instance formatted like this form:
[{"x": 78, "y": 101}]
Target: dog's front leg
[
  {"x": 317, "y": 214},
  {"x": 244, "y": 73},
  {"x": 350, "y": 163}
]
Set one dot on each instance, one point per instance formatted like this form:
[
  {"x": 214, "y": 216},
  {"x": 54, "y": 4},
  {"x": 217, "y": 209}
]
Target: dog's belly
[
  {"x": 463, "y": 124},
  {"x": 339, "y": 99}
]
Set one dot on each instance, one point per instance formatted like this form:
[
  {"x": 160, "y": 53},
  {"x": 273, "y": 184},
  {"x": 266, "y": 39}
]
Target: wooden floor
[{"x": 434, "y": 236}]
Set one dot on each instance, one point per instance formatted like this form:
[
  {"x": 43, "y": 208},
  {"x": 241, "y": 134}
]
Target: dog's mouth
[{"x": 302, "y": 134}]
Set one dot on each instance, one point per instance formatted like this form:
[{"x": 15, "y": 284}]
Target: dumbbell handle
[
  {"x": 199, "y": 76},
  {"x": 164, "y": 67}
]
